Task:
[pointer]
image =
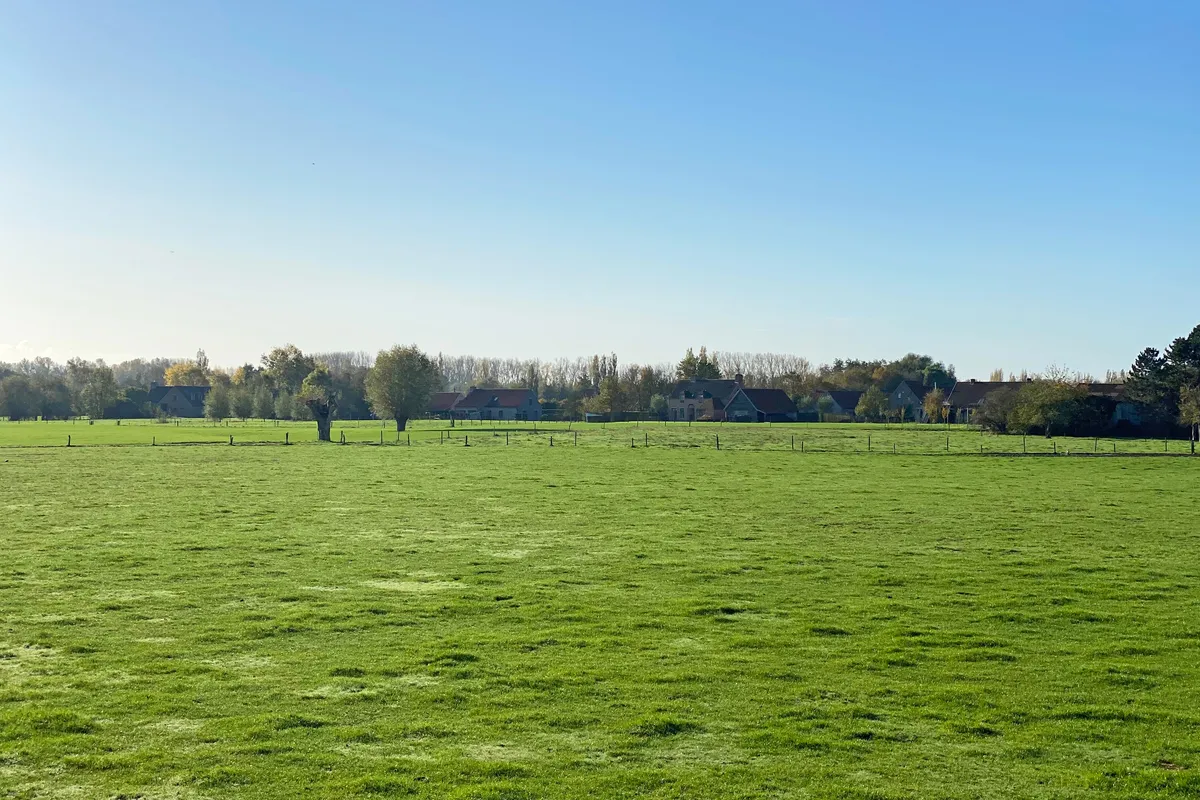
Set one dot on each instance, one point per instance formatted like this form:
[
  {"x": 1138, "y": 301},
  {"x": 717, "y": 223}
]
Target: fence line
[{"x": 599, "y": 440}]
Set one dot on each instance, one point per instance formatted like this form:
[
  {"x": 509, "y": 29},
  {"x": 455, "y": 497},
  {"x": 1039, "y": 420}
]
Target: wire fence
[{"x": 726, "y": 437}]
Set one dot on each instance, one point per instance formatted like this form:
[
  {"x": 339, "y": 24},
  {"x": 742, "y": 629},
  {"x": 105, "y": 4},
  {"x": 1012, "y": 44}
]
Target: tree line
[
  {"x": 1161, "y": 387},
  {"x": 567, "y": 388},
  {"x": 397, "y": 384}
]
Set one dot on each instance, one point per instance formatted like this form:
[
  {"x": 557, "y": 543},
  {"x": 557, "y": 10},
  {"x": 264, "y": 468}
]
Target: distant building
[
  {"x": 499, "y": 404},
  {"x": 1124, "y": 413},
  {"x": 909, "y": 396},
  {"x": 844, "y": 401},
  {"x": 964, "y": 398},
  {"x": 761, "y": 405},
  {"x": 179, "y": 401},
  {"x": 441, "y": 405},
  {"x": 704, "y": 400},
  {"x": 728, "y": 400}
]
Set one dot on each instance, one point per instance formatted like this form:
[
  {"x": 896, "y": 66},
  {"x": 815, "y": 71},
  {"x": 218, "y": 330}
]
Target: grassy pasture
[
  {"x": 815, "y": 438},
  {"x": 267, "y": 622}
]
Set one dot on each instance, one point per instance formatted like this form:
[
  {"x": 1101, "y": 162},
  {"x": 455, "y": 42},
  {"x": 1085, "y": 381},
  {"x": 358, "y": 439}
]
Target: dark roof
[
  {"x": 846, "y": 398},
  {"x": 917, "y": 388},
  {"x": 719, "y": 390},
  {"x": 971, "y": 393},
  {"x": 497, "y": 398},
  {"x": 770, "y": 401},
  {"x": 194, "y": 394},
  {"x": 443, "y": 401},
  {"x": 1116, "y": 390}
]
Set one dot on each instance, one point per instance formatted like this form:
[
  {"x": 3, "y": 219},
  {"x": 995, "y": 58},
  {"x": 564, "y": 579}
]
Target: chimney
[
  {"x": 738, "y": 379},
  {"x": 972, "y": 380},
  {"x": 1028, "y": 379}
]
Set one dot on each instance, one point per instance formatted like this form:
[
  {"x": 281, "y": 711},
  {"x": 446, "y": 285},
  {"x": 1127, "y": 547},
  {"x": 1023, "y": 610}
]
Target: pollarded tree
[
  {"x": 287, "y": 367},
  {"x": 873, "y": 404},
  {"x": 318, "y": 395},
  {"x": 401, "y": 383}
]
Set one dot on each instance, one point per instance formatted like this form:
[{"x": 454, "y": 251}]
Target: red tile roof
[{"x": 443, "y": 401}]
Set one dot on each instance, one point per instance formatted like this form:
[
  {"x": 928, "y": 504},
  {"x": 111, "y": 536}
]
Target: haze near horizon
[{"x": 995, "y": 186}]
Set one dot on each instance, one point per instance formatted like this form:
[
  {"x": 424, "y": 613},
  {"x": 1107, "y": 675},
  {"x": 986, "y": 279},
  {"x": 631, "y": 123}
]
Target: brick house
[{"x": 499, "y": 404}]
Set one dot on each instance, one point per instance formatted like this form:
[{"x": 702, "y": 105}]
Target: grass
[
  {"x": 268, "y": 622},
  {"x": 847, "y": 438}
]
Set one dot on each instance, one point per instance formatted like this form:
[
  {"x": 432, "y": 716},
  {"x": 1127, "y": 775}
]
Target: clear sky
[{"x": 995, "y": 184}]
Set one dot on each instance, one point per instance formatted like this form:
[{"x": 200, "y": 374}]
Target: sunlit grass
[
  {"x": 881, "y": 439},
  {"x": 528, "y": 622}
]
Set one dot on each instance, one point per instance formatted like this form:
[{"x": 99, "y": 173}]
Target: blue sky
[{"x": 995, "y": 184}]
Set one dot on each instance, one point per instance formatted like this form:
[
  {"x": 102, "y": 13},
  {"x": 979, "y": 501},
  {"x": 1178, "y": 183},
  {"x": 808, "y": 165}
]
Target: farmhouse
[
  {"x": 719, "y": 400},
  {"x": 844, "y": 401},
  {"x": 965, "y": 397},
  {"x": 761, "y": 405},
  {"x": 441, "y": 404},
  {"x": 179, "y": 401},
  {"x": 909, "y": 396},
  {"x": 499, "y": 404},
  {"x": 700, "y": 399}
]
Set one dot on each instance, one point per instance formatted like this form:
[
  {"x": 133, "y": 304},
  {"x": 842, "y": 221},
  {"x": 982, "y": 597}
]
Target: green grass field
[
  {"x": 526, "y": 622},
  {"x": 811, "y": 438}
]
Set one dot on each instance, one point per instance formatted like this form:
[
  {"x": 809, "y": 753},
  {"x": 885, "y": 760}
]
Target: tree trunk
[
  {"x": 401, "y": 423},
  {"x": 324, "y": 423}
]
